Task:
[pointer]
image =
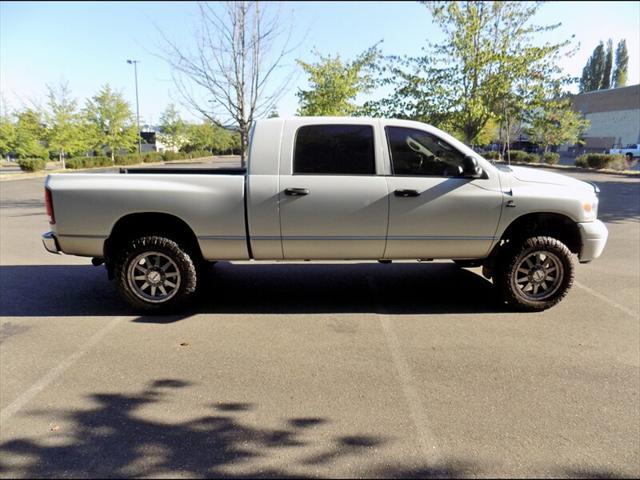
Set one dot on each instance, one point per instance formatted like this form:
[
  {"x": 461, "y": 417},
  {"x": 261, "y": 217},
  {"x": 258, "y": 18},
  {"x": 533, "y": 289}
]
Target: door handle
[
  {"x": 406, "y": 193},
  {"x": 296, "y": 192}
]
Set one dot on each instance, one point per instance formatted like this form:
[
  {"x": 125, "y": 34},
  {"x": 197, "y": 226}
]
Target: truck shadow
[{"x": 409, "y": 288}]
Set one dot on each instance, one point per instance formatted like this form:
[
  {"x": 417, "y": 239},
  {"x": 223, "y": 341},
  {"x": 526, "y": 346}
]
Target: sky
[{"x": 87, "y": 43}]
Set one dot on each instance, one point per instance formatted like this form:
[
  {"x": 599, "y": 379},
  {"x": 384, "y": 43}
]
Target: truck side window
[
  {"x": 334, "y": 150},
  {"x": 415, "y": 152}
]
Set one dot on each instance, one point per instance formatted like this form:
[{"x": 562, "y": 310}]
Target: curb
[{"x": 8, "y": 177}]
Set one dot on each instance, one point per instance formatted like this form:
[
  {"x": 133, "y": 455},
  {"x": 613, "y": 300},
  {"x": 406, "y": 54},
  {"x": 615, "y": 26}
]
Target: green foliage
[
  {"x": 130, "y": 159},
  {"x": 168, "y": 156},
  {"x": 601, "y": 160},
  {"x": 111, "y": 121},
  {"x": 491, "y": 155},
  {"x": 65, "y": 132},
  {"x": 29, "y": 132},
  {"x": 172, "y": 129},
  {"x": 152, "y": 157},
  {"x": 209, "y": 137},
  {"x": 596, "y": 74},
  {"x": 7, "y": 135},
  {"x": 608, "y": 64},
  {"x": 489, "y": 67},
  {"x": 334, "y": 83},
  {"x": 622, "y": 62},
  {"x": 523, "y": 157},
  {"x": 550, "y": 158},
  {"x": 89, "y": 162},
  {"x": 32, "y": 164},
  {"x": 557, "y": 123}
]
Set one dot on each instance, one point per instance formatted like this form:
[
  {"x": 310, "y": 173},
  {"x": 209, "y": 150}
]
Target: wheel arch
[
  {"x": 556, "y": 225},
  {"x": 140, "y": 224}
]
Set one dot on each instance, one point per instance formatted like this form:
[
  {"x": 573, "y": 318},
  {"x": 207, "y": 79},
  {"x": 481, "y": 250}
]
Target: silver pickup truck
[{"x": 319, "y": 188}]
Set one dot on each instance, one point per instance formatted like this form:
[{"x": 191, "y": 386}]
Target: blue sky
[{"x": 87, "y": 43}]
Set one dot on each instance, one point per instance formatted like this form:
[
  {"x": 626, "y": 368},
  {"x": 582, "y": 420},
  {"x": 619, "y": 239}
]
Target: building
[{"x": 614, "y": 115}]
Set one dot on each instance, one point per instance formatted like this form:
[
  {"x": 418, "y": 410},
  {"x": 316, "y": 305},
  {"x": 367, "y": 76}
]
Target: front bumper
[
  {"x": 50, "y": 242},
  {"x": 594, "y": 237}
]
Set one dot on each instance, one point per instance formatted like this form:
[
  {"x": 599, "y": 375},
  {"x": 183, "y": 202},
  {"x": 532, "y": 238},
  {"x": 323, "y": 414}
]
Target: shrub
[
  {"x": 550, "y": 158},
  {"x": 152, "y": 157},
  {"x": 130, "y": 159},
  {"x": 601, "y": 160},
  {"x": 522, "y": 156},
  {"x": 200, "y": 154},
  {"x": 32, "y": 164},
  {"x": 168, "y": 156},
  {"x": 491, "y": 155},
  {"x": 89, "y": 162}
]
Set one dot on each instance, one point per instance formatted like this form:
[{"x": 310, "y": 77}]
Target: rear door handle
[
  {"x": 296, "y": 192},
  {"x": 406, "y": 193}
]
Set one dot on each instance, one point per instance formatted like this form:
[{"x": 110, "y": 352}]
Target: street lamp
[{"x": 135, "y": 70}]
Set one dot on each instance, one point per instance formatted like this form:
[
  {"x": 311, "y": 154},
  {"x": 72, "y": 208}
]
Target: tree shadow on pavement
[
  {"x": 399, "y": 288},
  {"x": 113, "y": 439}
]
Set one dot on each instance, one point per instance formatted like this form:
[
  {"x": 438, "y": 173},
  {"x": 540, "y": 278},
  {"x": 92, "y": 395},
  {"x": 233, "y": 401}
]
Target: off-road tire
[
  {"x": 184, "y": 263},
  {"x": 505, "y": 276}
]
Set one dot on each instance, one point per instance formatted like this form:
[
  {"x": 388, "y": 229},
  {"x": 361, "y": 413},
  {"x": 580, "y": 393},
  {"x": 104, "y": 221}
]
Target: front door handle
[
  {"x": 296, "y": 192},
  {"x": 406, "y": 193}
]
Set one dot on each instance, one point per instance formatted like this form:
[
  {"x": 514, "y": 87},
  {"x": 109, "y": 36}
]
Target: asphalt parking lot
[{"x": 315, "y": 370}]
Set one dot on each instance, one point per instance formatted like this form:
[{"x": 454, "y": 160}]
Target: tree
[
  {"x": 29, "y": 133},
  {"x": 238, "y": 49},
  {"x": 64, "y": 134},
  {"x": 593, "y": 72},
  {"x": 273, "y": 113},
  {"x": 172, "y": 128},
  {"x": 557, "y": 123},
  {"x": 112, "y": 121},
  {"x": 334, "y": 84},
  {"x": 608, "y": 63},
  {"x": 208, "y": 136},
  {"x": 622, "y": 61},
  {"x": 7, "y": 131},
  {"x": 490, "y": 66}
]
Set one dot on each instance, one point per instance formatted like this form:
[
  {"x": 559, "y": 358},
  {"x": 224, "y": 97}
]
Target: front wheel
[
  {"x": 536, "y": 274},
  {"x": 154, "y": 274}
]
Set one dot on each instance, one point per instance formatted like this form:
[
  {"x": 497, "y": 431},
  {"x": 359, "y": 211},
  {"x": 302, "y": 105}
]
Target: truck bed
[{"x": 186, "y": 170}]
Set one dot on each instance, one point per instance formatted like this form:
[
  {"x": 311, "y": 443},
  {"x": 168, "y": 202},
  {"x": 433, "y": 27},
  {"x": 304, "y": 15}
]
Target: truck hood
[{"x": 534, "y": 175}]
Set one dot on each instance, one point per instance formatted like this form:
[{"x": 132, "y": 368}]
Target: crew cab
[{"x": 330, "y": 188}]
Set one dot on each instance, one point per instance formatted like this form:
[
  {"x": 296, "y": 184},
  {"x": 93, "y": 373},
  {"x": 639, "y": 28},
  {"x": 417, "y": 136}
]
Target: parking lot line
[
  {"x": 56, "y": 371},
  {"x": 412, "y": 397},
  {"x": 606, "y": 299}
]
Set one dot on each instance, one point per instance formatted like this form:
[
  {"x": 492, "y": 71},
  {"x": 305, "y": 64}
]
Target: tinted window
[
  {"x": 334, "y": 149},
  {"x": 414, "y": 152}
]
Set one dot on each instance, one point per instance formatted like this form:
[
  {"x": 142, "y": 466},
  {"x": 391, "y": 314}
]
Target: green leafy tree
[
  {"x": 65, "y": 133},
  {"x": 334, "y": 83},
  {"x": 111, "y": 121},
  {"x": 622, "y": 61},
  {"x": 172, "y": 128},
  {"x": 7, "y": 133},
  {"x": 207, "y": 136},
  {"x": 29, "y": 135},
  {"x": 557, "y": 123},
  {"x": 593, "y": 71},
  {"x": 608, "y": 64},
  {"x": 490, "y": 67}
]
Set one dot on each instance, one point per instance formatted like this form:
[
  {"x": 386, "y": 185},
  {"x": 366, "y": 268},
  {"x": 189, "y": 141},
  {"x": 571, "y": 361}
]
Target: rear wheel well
[{"x": 138, "y": 225}]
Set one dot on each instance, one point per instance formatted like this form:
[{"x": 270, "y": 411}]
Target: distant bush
[
  {"x": 522, "y": 156},
  {"x": 152, "y": 157},
  {"x": 601, "y": 160},
  {"x": 32, "y": 164},
  {"x": 89, "y": 162},
  {"x": 168, "y": 156},
  {"x": 550, "y": 158},
  {"x": 491, "y": 155},
  {"x": 130, "y": 159},
  {"x": 200, "y": 154}
]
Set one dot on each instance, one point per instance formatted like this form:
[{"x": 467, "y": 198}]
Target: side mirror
[{"x": 471, "y": 167}]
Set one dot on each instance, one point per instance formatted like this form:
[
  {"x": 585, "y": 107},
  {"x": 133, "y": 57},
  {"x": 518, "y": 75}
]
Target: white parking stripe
[
  {"x": 605, "y": 299},
  {"x": 411, "y": 394},
  {"x": 55, "y": 372}
]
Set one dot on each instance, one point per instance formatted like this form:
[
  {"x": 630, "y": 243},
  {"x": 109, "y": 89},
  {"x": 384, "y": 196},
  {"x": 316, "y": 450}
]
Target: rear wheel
[
  {"x": 536, "y": 274},
  {"x": 155, "y": 274}
]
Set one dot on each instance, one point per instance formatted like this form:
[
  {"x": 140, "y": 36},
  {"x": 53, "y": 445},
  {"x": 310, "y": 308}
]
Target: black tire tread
[
  {"x": 188, "y": 270},
  {"x": 508, "y": 261}
]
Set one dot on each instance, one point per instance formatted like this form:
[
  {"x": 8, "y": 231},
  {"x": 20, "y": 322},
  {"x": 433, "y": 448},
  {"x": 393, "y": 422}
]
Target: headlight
[{"x": 590, "y": 209}]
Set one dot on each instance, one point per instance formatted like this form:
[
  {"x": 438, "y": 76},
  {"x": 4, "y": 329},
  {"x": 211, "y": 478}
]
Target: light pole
[{"x": 135, "y": 70}]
